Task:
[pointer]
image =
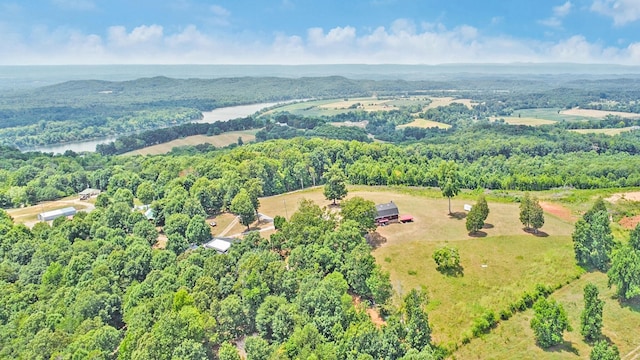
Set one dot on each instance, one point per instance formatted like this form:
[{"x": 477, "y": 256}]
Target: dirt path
[
  {"x": 633, "y": 354},
  {"x": 229, "y": 227},
  {"x": 558, "y": 210}
]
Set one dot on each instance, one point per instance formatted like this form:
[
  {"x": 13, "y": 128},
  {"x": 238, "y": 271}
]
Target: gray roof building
[
  {"x": 53, "y": 214},
  {"x": 389, "y": 211}
]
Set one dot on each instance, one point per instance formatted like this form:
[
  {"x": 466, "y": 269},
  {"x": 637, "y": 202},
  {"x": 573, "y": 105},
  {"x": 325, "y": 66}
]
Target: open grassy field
[
  {"x": 339, "y": 106},
  {"x": 553, "y": 114},
  {"x": 530, "y": 121},
  {"x": 598, "y": 114},
  {"x": 603, "y": 131},
  {"x": 513, "y": 339},
  {"x": 221, "y": 140},
  {"x": 423, "y": 123},
  {"x": 28, "y": 215},
  {"x": 499, "y": 265},
  {"x": 446, "y": 101}
]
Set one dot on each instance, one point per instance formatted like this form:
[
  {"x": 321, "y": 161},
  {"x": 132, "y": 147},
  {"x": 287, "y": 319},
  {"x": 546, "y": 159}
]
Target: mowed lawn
[
  {"x": 221, "y": 140},
  {"x": 514, "y": 339},
  {"x": 499, "y": 266}
]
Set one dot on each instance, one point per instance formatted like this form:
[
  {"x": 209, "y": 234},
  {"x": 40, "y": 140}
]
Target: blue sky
[{"x": 318, "y": 31}]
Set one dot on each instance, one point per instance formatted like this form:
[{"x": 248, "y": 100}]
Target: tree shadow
[
  {"x": 566, "y": 346},
  {"x": 535, "y": 233},
  {"x": 458, "y": 215},
  {"x": 478, "y": 234},
  {"x": 632, "y": 304},
  {"x": 456, "y": 271},
  {"x": 375, "y": 240},
  {"x": 487, "y": 226}
]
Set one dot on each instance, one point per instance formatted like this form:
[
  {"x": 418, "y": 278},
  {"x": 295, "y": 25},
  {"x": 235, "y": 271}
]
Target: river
[{"x": 220, "y": 114}]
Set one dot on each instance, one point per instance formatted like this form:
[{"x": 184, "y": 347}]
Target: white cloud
[
  {"x": 220, "y": 15},
  {"x": 621, "y": 11},
  {"x": 140, "y": 35},
  {"x": 402, "y": 43},
  {"x": 559, "y": 12},
  {"x": 562, "y": 10}
]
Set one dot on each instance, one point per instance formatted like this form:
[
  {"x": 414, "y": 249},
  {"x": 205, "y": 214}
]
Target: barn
[
  {"x": 387, "y": 213},
  {"x": 53, "y": 214}
]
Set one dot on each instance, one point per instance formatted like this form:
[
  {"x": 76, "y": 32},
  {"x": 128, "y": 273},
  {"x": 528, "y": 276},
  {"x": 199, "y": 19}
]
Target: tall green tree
[
  {"x": 361, "y": 211},
  {"x": 591, "y": 316},
  {"x": 416, "y": 320},
  {"x": 474, "y": 220},
  {"x": 242, "y": 206},
  {"x": 593, "y": 241},
  {"x": 625, "y": 272},
  {"x": 602, "y": 350},
  {"x": 531, "y": 213},
  {"x": 549, "y": 322},
  {"x": 335, "y": 187},
  {"x": 198, "y": 231},
  {"x": 449, "y": 180}
]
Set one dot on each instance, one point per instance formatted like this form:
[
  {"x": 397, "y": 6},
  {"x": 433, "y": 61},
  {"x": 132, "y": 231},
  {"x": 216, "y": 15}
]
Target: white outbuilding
[{"x": 53, "y": 214}]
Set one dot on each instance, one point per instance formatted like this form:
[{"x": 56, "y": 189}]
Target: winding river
[{"x": 220, "y": 114}]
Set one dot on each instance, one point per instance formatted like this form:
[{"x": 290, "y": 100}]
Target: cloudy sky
[{"x": 318, "y": 31}]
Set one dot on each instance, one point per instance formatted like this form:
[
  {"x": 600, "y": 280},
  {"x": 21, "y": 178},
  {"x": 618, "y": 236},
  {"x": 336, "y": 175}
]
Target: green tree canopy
[
  {"x": 335, "y": 187},
  {"x": 591, "y": 316},
  {"x": 361, "y": 211},
  {"x": 449, "y": 180},
  {"x": 242, "y": 206},
  {"x": 549, "y": 322}
]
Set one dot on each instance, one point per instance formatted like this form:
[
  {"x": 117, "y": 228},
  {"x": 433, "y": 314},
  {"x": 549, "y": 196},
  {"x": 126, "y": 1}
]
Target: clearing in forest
[
  {"x": 499, "y": 264},
  {"x": 611, "y": 132},
  {"x": 447, "y": 100},
  {"x": 423, "y": 123},
  {"x": 221, "y": 140},
  {"x": 513, "y": 339},
  {"x": 530, "y": 121},
  {"x": 598, "y": 114}
]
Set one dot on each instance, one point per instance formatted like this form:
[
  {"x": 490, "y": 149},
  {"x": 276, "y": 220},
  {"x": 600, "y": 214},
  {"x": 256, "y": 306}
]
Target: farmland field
[
  {"x": 613, "y": 131},
  {"x": 530, "y": 121},
  {"x": 423, "y": 123},
  {"x": 598, "y": 114},
  {"x": 215, "y": 140},
  {"x": 339, "y": 106},
  {"x": 514, "y": 338},
  {"x": 499, "y": 266}
]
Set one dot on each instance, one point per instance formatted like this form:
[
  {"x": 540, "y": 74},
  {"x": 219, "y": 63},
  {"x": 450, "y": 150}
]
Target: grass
[
  {"x": 598, "y": 114},
  {"x": 339, "y": 106},
  {"x": 513, "y": 339},
  {"x": 530, "y": 121},
  {"x": 614, "y": 131},
  {"x": 30, "y": 213},
  {"x": 215, "y": 140},
  {"x": 498, "y": 266},
  {"x": 423, "y": 123}
]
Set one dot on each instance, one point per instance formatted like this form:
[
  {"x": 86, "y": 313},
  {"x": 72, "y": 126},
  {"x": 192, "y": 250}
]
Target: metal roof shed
[
  {"x": 53, "y": 214},
  {"x": 219, "y": 245}
]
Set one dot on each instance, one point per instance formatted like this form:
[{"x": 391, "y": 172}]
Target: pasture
[
  {"x": 221, "y": 140},
  {"x": 514, "y": 338},
  {"x": 611, "y": 132},
  {"x": 523, "y": 120},
  {"x": 423, "y": 123},
  {"x": 499, "y": 264},
  {"x": 340, "y": 106},
  {"x": 598, "y": 114}
]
